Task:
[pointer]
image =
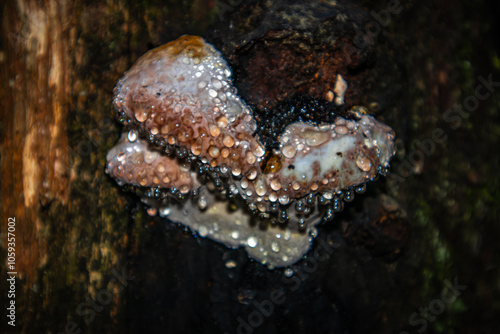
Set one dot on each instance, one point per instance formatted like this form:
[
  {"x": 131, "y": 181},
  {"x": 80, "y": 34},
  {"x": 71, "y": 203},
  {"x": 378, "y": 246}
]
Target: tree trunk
[{"x": 88, "y": 258}]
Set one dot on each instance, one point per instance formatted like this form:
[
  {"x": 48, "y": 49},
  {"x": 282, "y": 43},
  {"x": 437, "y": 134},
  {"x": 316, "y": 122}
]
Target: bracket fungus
[{"x": 194, "y": 153}]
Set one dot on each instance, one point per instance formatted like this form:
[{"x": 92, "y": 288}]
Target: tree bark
[
  {"x": 59, "y": 63},
  {"x": 89, "y": 258}
]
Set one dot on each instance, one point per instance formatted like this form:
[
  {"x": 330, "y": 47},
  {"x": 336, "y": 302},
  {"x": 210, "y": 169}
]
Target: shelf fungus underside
[{"x": 191, "y": 149}]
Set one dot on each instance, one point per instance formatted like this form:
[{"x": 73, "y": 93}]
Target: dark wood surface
[{"x": 89, "y": 258}]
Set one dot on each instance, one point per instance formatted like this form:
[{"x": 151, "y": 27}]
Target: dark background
[{"x": 393, "y": 249}]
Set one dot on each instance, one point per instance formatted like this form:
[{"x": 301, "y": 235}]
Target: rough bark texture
[{"x": 89, "y": 258}]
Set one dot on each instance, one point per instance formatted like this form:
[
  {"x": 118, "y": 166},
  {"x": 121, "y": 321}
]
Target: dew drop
[
  {"x": 252, "y": 242},
  {"x": 236, "y": 171},
  {"x": 259, "y": 151},
  {"x": 315, "y": 138},
  {"x": 150, "y": 156},
  {"x": 260, "y": 188},
  {"x": 361, "y": 189},
  {"x": 214, "y": 130},
  {"x": 196, "y": 148},
  {"x": 202, "y": 231},
  {"x": 152, "y": 211},
  {"x": 132, "y": 135},
  {"x": 222, "y": 122},
  {"x": 340, "y": 121},
  {"x": 230, "y": 264},
  {"x": 341, "y": 130},
  {"x": 363, "y": 163},
  {"x": 214, "y": 151},
  {"x": 250, "y": 157},
  {"x": 284, "y": 199},
  {"x": 348, "y": 196},
  {"x": 165, "y": 211},
  {"x": 328, "y": 195},
  {"x": 217, "y": 84},
  {"x": 289, "y": 151},
  {"x": 202, "y": 203},
  {"x": 252, "y": 173},
  {"x": 141, "y": 116},
  {"x": 228, "y": 141},
  {"x": 275, "y": 247},
  {"x": 275, "y": 184},
  {"x": 121, "y": 156},
  {"x": 212, "y": 93}
]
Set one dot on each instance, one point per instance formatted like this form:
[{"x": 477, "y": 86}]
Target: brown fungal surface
[{"x": 181, "y": 97}]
